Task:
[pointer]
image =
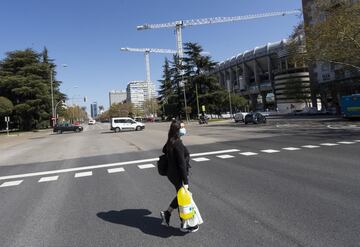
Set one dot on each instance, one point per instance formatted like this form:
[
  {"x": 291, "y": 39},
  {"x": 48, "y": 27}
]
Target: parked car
[
  {"x": 255, "y": 118},
  {"x": 240, "y": 116},
  {"x": 92, "y": 122},
  {"x": 60, "y": 128},
  {"x": 125, "y": 123}
]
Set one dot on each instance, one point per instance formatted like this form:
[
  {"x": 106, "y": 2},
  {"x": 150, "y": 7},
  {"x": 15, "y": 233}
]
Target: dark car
[
  {"x": 255, "y": 118},
  {"x": 60, "y": 128}
]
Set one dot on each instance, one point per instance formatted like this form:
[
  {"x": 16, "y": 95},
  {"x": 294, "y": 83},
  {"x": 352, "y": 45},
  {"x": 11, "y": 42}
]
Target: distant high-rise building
[
  {"x": 139, "y": 91},
  {"x": 116, "y": 97},
  {"x": 93, "y": 110}
]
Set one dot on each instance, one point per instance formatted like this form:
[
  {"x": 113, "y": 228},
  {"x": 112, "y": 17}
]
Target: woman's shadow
[{"x": 138, "y": 218}]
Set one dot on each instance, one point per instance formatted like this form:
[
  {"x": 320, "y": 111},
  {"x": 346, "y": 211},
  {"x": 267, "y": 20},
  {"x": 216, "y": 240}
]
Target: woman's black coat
[{"x": 178, "y": 165}]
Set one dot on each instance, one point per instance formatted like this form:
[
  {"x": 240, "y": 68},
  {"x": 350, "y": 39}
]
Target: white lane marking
[
  {"x": 225, "y": 156},
  {"x": 114, "y": 170},
  {"x": 83, "y": 174},
  {"x": 146, "y": 166},
  {"x": 291, "y": 149},
  {"x": 215, "y": 152},
  {"x": 310, "y": 146},
  {"x": 270, "y": 151},
  {"x": 356, "y": 140},
  {"x": 48, "y": 179},
  {"x": 347, "y": 143},
  {"x": 200, "y": 159},
  {"x": 248, "y": 153},
  {"x": 11, "y": 183},
  {"x": 34, "y": 174},
  {"x": 329, "y": 144}
]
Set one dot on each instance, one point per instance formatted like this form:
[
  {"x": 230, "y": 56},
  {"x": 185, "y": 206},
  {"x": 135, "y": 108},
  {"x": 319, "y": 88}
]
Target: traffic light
[{"x": 85, "y": 98}]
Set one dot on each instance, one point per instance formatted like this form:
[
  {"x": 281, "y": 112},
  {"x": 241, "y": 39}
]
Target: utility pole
[
  {"x": 52, "y": 96},
  {"x": 197, "y": 100},
  {"x": 229, "y": 91}
]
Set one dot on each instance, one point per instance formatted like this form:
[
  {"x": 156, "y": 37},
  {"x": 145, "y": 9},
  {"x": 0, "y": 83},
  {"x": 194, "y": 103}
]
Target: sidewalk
[{"x": 18, "y": 137}]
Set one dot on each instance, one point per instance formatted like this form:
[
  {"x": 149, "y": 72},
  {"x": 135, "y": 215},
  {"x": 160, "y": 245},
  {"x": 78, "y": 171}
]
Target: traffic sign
[{"x": 203, "y": 108}]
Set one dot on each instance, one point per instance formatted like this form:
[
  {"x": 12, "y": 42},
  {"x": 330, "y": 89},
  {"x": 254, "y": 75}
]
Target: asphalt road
[{"x": 292, "y": 182}]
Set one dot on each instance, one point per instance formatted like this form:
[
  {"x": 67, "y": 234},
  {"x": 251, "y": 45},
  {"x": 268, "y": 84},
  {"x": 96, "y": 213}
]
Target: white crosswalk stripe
[
  {"x": 346, "y": 143},
  {"x": 11, "y": 183},
  {"x": 115, "y": 170},
  {"x": 83, "y": 174},
  {"x": 146, "y": 166},
  {"x": 225, "y": 156},
  {"x": 48, "y": 179},
  {"x": 291, "y": 149},
  {"x": 329, "y": 144},
  {"x": 197, "y": 157},
  {"x": 248, "y": 153},
  {"x": 201, "y": 159},
  {"x": 310, "y": 146},
  {"x": 270, "y": 151}
]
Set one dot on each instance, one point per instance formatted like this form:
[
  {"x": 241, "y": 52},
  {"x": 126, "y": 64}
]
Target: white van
[{"x": 118, "y": 124}]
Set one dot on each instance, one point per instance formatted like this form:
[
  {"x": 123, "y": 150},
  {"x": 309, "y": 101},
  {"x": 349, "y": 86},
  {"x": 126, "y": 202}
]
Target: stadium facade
[{"x": 262, "y": 75}]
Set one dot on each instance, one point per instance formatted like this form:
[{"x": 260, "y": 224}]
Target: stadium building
[{"x": 263, "y": 76}]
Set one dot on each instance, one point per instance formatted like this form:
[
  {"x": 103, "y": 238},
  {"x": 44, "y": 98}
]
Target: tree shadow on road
[{"x": 138, "y": 218}]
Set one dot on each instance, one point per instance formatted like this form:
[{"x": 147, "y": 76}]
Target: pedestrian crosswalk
[
  {"x": 82, "y": 172},
  {"x": 48, "y": 179}
]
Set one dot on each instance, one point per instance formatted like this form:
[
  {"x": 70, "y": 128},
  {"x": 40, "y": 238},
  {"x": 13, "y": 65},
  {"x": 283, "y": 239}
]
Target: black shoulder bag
[{"x": 162, "y": 165}]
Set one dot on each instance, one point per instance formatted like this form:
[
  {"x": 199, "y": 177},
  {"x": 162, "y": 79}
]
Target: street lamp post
[
  {"x": 52, "y": 96},
  {"x": 53, "y": 117},
  {"x": 229, "y": 91},
  {"x": 56, "y": 105}
]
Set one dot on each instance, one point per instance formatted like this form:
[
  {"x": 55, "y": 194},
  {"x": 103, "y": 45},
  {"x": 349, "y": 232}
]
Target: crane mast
[
  {"x": 178, "y": 25},
  {"x": 147, "y": 52}
]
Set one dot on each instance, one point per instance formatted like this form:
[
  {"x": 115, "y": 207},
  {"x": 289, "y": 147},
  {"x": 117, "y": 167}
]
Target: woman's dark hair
[{"x": 173, "y": 134}]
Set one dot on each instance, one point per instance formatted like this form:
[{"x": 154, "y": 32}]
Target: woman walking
[{"x": 178, "y": 169}]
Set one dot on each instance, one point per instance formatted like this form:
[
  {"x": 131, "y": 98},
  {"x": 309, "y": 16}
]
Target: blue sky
[{"x": 87, "y": 35}]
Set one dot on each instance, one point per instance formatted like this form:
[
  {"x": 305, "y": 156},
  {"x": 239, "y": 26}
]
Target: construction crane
[
  {"x": 215, "y": 20},
  {"x": 147, "y": 52},
  {"x": 186, "y": 23}
]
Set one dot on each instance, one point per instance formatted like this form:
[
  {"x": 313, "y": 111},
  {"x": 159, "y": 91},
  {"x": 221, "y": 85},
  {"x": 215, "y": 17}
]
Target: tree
[
  {"x": 238, "y": 102},
  {"x": 335, "y": 38},
  {"x": 25, "y": 81},
  {"x": 6, "y": 106},
  {"x": 201, "y": 87},
  {"x": 121, "y": 110},
  {"x": 74, "y": 113},
  {"x": 151, "y": 107}
]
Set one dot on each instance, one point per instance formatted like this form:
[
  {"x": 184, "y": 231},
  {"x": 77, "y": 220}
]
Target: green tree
[
  {"x": 151, "y": 107},
  {"x": 6, "y": 106},
  {"x": 121, "y": 110},
  {"x": 25, "y": 81},
  {"x": 238, "y": 102},
  {"x": 73, "y": 114},
  {"x": 335, "y": 38}
]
